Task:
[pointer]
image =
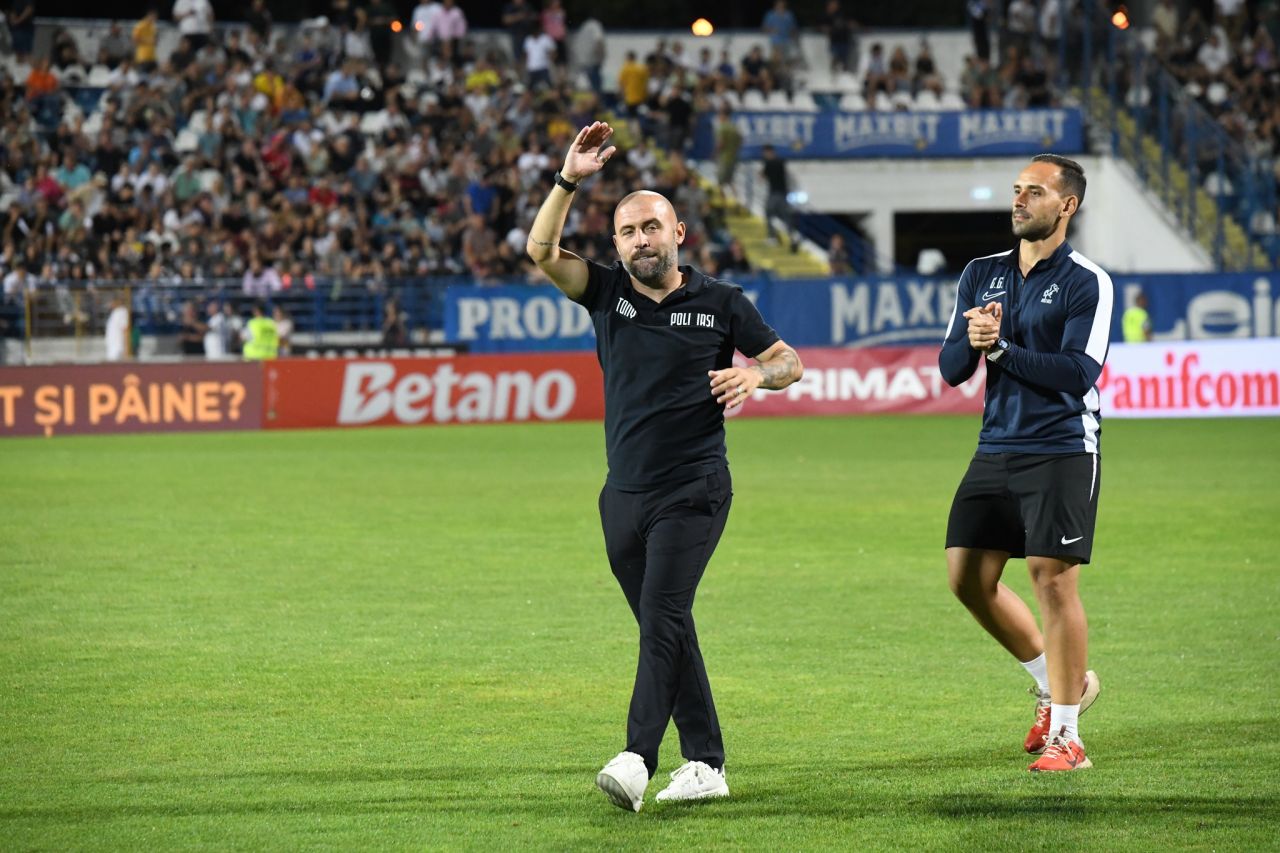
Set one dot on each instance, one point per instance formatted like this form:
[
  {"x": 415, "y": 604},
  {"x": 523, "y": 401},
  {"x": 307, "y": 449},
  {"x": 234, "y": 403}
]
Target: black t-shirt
[{"x": 661, "y": 423}]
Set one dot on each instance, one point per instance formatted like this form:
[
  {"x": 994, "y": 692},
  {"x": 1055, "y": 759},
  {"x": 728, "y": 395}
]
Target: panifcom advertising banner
[
  {"x": 833, "y": 135},
  {"x": 129, "y": 398},
  {"x": 516, "y": 318},
  {"x": 1192, "y": 379}
]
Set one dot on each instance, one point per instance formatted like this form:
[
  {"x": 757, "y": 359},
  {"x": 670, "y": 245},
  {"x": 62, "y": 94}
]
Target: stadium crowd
[{"x": 275, "y": 156}]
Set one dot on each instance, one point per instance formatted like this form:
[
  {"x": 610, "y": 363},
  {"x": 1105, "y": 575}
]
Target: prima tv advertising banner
[{"x": 835, "y": 135}]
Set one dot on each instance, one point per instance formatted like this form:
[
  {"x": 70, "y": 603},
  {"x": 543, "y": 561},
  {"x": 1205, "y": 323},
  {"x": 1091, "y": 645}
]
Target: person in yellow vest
[
  {"x": 1136, "y": 322},
  {"x": 633, "y": 82},
  {"x": 261, "y": 337}
]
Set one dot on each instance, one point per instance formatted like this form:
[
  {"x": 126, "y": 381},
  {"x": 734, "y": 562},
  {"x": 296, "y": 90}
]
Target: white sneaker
[
  {"x": 694, "y": 781},
  {"x": 624, "y": 780}
]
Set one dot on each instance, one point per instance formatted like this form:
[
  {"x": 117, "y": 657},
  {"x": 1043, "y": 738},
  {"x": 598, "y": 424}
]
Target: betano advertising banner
[
  {"x": 866, "y": 311},
  {"x": 469, "y": 389},
  {"x": 129, "y": 398},
  {"x": 834, "y": 135},
  {"x": 1191, "y": 379}
]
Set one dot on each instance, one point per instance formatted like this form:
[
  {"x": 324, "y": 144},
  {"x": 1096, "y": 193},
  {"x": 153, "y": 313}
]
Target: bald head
[{"x": 643, "y": 204}]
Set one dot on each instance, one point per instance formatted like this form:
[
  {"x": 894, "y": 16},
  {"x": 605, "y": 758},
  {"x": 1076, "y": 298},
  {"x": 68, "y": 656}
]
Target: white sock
[
  {"x": 1039, "y": 670},
  {"x": 1064, "y": 720}
]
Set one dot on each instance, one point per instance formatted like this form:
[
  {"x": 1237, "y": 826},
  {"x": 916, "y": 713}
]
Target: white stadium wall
[{"x": 1123, "y": 227}]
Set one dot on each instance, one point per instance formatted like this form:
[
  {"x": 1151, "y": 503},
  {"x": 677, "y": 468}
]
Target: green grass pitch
[{"x": 410, "y": 639}]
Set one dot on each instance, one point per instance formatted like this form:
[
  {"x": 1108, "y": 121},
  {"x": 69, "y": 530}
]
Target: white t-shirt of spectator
[
  {"x": 424, "y": 18},
  {"x": 215, "y": 339},
  {"x": 117, "y": 332},
  {"x": 538, "y": 51},
  {"x": 193, "y": 16},
  {"x": 1214, "y": 57},
  {"x": 1228, "y": 8},
  {"x": 18, "y": 281}
]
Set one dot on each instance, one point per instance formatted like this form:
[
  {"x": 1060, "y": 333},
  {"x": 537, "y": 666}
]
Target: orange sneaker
[
  {"x": 1039, "y": 734},
  {"x": 1060, "y": 755}
]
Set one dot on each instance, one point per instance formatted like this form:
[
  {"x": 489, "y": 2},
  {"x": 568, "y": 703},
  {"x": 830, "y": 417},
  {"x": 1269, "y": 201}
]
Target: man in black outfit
[{"x": 665, "y": 337}]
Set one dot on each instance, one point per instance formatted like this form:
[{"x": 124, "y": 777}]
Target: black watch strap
[{"x": 565, "y": 184}]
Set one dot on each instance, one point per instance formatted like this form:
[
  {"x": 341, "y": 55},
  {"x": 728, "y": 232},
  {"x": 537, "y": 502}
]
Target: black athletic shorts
[{"x": 1026, "y": 503}]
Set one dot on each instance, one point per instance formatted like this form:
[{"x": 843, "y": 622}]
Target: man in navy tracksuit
[
  {"x": 665, "y": 336},
  {"x": 1040, "y": 315}
]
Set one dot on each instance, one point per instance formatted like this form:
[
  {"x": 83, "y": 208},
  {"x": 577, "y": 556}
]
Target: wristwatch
[
  {"x": 565, "y": 184},
  {"x": 997, "y": 352}
]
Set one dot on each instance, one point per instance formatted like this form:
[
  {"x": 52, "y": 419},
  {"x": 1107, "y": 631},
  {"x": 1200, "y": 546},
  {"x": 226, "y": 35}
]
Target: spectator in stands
[
  {"x": 1164, "y": 18},
  {"x": 520, "y": 20},
  {"x": 424, "y": 18},
  {"x": 980, "y": 85},
  {"x": 284, "y": 329},
  {"x": 979, "y": 13},
  {"x": 115, "y": 47},
  {"x": 755, "y": 72},
  {"x": 842, "y": 38},
  {"x": 394, "y": 333},
  {"x": 191, "y": 331},
  {"x": 555, "y": 24},
  {"x": 777, "y": 202},
  {"x": 215, "y": 335},
  {"x": 733, "y": 259},
  {"x": 633, "y": 83},
  {"x": 1230, "y": 15},
  {"x": 259, "y": 19},
  {"x": 448, "y": 29},
  {"x": 539, "y": 51},
  {"x": 1019, "y": 25},
  {"x": 728, "y": 146},
  {"x": 783, "y": 31},
  {"x": 194, "y": 19},
  {"x": 21, "y": 19},
  {"x": 260, "y": 281},
  {"x": 116, "y": 332},
  {"x": 926, "y": 76},
  {"x": 876, "y": 79},
  {"x": 41, "y": 81},
  {"x": 838, "y": 259},
  {"x": 589, "y": 52}
]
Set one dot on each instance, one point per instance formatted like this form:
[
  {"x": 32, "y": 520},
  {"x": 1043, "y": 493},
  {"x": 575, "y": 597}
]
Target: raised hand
[{"x": 587, "y": 155}]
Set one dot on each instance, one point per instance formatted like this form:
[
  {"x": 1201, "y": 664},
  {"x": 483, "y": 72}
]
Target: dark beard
[
  {"x": 665, "y": 262},
  {"x": 1033, "y": 234}
]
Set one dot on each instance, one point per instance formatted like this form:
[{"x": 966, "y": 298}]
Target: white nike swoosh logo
[
  {"x": 993, "y": 295},
  {"x": 1066, "y": 541}
]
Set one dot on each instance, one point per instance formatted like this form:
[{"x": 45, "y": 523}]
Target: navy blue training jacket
[{"x": 1041, "y": 395}]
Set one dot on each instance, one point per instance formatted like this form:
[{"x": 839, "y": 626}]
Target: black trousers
[{"x": 658, "y": 544}]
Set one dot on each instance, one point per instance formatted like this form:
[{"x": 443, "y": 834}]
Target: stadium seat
[
  {"x": 186, "y": 141},
  {"x": 853, "y": 102},
  {"x": 928, "y": 101},
  {"x": 99, "y": 76}
]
